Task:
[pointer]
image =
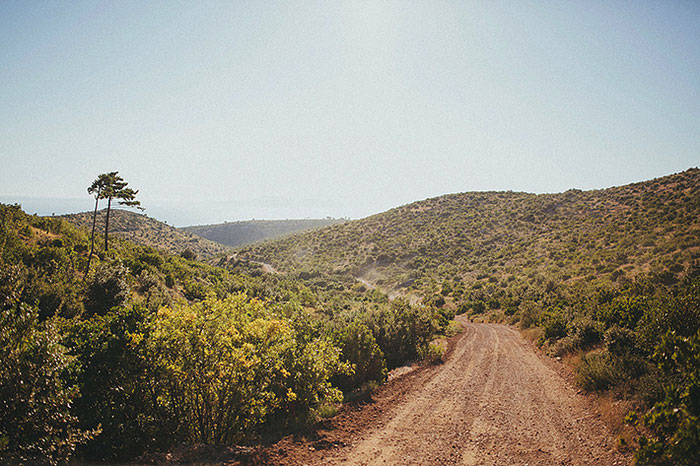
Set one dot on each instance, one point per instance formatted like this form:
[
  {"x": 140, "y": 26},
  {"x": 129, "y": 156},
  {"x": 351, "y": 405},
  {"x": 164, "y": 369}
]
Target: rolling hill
[
  {"x": 247, "y": 232},
  {"x": 148, "y": 231},
  {"x": 499, "y": 241}
]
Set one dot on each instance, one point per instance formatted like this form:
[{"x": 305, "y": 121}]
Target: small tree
[
  {"x": 96, "y": 188},
  {"x": 109, "y": 186},
  {"x": 115, "y": 188}
]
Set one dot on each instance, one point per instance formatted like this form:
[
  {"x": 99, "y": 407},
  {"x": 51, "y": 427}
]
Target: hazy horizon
[
  {"x": 220, "y": 111},
  {"x": 192, "y": 214}
]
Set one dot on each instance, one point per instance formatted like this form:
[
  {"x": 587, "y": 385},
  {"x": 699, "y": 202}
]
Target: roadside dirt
[{"x": 493, "y": 402}]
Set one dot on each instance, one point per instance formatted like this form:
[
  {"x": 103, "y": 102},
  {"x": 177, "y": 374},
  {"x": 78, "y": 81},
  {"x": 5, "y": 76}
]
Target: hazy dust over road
[{"x": 494, "y": 402}]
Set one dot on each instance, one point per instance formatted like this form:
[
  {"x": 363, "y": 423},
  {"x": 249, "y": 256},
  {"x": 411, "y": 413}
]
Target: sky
[{"x": 223, "y": 111}]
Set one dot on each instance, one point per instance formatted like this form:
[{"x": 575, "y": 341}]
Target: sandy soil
[{"x": 493, "y": 402}]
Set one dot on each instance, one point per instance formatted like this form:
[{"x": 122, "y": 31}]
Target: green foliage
[
  {"x": 624, "y": 311},
  {"x": 585, "y": 332},
  {"x": 400, "y": 330},
  {"x": 432, "y": 353},
  {"x": 674, "y": 422},
  {"x": 119, "y": 384},
  {"x": 36, "y": 423},
  {"x": 596, "y": 372},
  {"x": 360, "y": 349},
  {"x": 530, "y": 313},
  {"x": 554, "y": 324},
  {"x": 109, "y": 288},
  {"x": 230, "y": 364}
]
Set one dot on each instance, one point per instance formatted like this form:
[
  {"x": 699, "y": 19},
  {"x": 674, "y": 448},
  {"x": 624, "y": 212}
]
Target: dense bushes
[
  {"x": 623, "y": 326},
  {"x": 359, "y": 348},
  {"x": 673, "y": 424},
  {"x": 400, "y": 329},
  {"x": 152, "y": 350},
  {"x": 37, "y": 424},
  {"x": 119, "y": 384},
  {"x": 230, "y": 365}
]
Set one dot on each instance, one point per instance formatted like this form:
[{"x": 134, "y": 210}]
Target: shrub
[
  {"x": 674, "y": 422},
  {"x": 120, "y": 387},
  {"x": 554, "y": 324},
  {"x": 529, "y": 314},
  {"x": 585, "y": 332},
  {"x": 109, "y": 288},
  {"x": 36, "y": 423},
  {"x": 359, "y": 348},
  {"x": 400, "y": 330},
  {"x": 624, "y": 311},
  {"x": 596, "y": 372},
  {"x": 229, "y": 365},
  {"x": 433, "y": 353}
]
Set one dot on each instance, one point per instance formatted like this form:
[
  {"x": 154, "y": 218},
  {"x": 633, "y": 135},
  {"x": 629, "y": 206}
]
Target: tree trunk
[
  {"x": 92, "y": 236},
  {"x": 109, "y": 204}
]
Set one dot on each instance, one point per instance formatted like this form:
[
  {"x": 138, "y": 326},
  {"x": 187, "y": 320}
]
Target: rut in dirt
[{"x": 493, "y": 402}]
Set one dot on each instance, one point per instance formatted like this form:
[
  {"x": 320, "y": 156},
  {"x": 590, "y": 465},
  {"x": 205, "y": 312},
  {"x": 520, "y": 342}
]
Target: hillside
[
  {"x": 247, "y": 232},
  {"x": 121, "y": 358},
  {"x": 148, "y": 231},
  {"x": 502, "y": 240}
]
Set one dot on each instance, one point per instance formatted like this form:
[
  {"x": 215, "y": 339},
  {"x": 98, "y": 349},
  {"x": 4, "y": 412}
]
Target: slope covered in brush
[
  {"x": 127, "y": 357},
  {"x": 148, "y": 231},
  {"x": 506, "y": 237},
  {"x": 251, "y": 231}
]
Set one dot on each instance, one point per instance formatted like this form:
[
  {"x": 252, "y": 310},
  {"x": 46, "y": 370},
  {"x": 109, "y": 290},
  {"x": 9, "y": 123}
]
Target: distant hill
[
  {"x": 496, "y": 242},
  {"x": 247, "y": 232},
  {"x": 145, "y": 230}
]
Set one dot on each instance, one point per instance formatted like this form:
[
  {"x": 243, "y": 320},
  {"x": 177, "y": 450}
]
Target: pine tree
[{"x": 109, "y": 186}]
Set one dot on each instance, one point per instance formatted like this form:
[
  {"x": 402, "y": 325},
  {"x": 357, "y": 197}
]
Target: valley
[{"x": 170, "y": 342}]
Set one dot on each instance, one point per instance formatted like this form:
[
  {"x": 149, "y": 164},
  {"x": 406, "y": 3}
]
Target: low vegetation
[
  {"x": 152, "y": 349},
  {"x": 611, "y": 276},
  {"x": 147, "y": 231},
  {"x": 251, "y": 231}
]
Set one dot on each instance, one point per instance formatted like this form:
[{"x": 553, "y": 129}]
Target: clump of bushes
[{"x": 37, "y": 424}]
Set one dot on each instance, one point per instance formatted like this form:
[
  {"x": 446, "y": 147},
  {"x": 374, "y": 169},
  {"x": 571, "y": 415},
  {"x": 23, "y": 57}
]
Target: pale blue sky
[{"x": 233, "y": 110}]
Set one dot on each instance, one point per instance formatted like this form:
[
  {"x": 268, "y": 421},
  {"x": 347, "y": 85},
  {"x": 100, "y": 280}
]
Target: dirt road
[{"x": 494, "y": 402}]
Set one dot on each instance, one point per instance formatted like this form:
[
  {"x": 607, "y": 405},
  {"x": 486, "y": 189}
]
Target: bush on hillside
[
  {"x": 359, "y": 348},
  {"x": 36, "y": 422},
  {"x": 673, "y": 425}
]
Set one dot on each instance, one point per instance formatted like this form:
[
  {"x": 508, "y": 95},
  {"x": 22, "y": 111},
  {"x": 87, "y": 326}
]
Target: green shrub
[
  {"x": 109, "y": 288},
  {"x": 673, "y": 425},
  {"x": 624, "y": 311},
  {"x": 529, "y": 314},
  {"x": 585, "y": 332},
  {"x": 359, "y": 348},
  {"x": 121, "y": 389},
  {"x": 554, "y": 324},
  {"x": 433, "y": 353},
  {"x": 229, "y": 365},
  {"x": 36, "y": 422}
]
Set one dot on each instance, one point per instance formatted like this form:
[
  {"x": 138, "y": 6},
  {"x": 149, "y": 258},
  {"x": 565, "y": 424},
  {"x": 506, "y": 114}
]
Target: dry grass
[
  {"x": 613, "y": 413},
  {"x": 532, "y": 334}
]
